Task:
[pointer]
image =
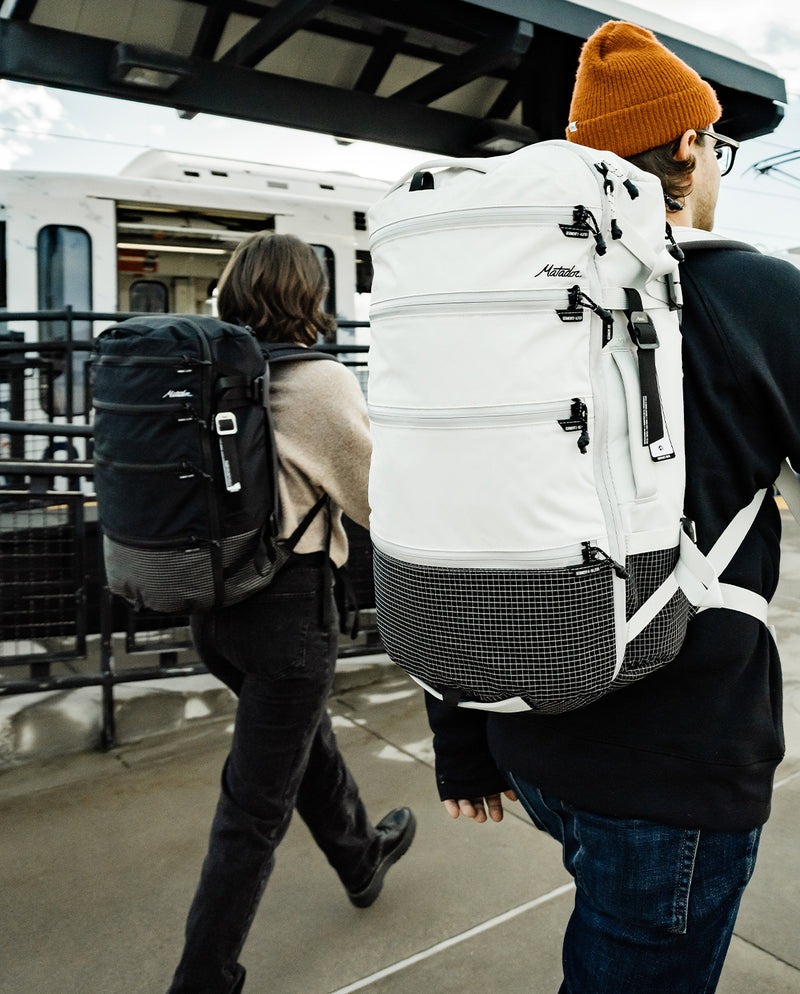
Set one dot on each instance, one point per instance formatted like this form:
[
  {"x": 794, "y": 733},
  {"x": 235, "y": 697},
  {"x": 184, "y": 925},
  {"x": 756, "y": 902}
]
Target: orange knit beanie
[{"x": 632, "y": 94}]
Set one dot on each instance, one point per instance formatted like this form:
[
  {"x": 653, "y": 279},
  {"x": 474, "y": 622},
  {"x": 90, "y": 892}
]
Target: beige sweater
[{"x": 323, "y": 440}]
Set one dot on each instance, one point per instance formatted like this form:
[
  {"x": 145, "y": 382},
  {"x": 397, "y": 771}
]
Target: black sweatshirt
[{"x": 695, "y": 744}]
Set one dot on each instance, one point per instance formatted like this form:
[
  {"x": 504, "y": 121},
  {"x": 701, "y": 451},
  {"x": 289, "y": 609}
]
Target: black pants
[{"x": 278, "y": 655}]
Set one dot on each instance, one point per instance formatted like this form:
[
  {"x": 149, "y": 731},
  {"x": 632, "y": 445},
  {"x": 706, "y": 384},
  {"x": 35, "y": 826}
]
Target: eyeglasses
[{"x": 724, "y": 150}]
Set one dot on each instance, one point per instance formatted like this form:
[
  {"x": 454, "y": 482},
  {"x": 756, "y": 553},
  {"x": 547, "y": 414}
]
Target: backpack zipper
[
  {"x": 478, "y": 217},
  {"x": 114, "y": 408},
  {"x": 474, "y": 417},
  {"x": 471, "y": 301},
  {"x": 184, "y": 469},
  {"x": 567, "y": 557},
  {"x": 186, "y": 364}
]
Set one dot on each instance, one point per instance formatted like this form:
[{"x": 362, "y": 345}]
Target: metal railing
[{"x": 60, "y": 626}]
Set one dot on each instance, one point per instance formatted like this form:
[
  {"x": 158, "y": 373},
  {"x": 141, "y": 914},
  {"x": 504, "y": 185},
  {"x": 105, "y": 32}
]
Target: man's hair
[
  {"x": 675, "y": 174},
  {"x": 275, "y": 284}
]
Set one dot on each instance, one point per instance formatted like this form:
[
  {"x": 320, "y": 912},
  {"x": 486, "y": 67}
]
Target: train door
[
  {"x": 60, "y": 255},
  {"x": 169, "y": 256}
]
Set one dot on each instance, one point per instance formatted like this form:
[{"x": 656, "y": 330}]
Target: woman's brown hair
[{"x": 275, "y": 284}]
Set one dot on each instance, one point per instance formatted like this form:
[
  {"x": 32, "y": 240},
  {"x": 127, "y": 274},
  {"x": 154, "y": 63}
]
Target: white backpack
[{"x": 525, "y": 394}]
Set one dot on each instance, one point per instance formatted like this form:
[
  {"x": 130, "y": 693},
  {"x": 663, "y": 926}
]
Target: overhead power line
[{"x": 776, "y": 167}]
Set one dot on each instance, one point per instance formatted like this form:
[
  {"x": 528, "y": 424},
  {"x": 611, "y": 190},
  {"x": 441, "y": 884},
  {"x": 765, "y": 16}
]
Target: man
[{"x": 658, "y": 792}]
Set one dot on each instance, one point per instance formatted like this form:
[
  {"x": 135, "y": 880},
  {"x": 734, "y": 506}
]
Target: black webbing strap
[
  {"x": 644, "y": 336},
  {"x": 302, "y": 528},
  {"x": 421, "y": 180},
  {"x": 230, "y": 392},
  {"x": 297, "y": 534},
  {"x": 451, "y": 696},
  {"x": 344, "y": 595},
  {"x": 233, "y": 390}
]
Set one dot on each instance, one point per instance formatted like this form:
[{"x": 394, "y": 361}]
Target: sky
[{"x": 42, "y": 128}]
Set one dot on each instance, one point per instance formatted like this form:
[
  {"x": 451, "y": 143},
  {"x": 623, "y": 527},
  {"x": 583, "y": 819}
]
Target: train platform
[{"x": 101, "y": 852}]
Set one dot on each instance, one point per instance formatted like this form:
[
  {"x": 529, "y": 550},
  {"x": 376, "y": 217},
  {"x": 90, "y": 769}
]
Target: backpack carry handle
[{"x": 475, "y": 164}]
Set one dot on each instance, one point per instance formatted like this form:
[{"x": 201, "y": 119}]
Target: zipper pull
[
  {"x": 593, "y": 553},
  {"x": 608, "y": 188},
  {"x": 190, "y": 470},
  {"x": 673, "y": 248},
  {"x": 608, "y": 184},
  {"x": 578, "y": 298},
  {"x": 578, "y": 420},
  {"x": 630, "y": 186},
  {"x": 585, "y": 219}
]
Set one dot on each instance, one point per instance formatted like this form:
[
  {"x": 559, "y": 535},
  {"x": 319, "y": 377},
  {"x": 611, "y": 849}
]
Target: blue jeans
[
  {"x": 277, "y": 650},
  {"x": 655, "y": 906}
]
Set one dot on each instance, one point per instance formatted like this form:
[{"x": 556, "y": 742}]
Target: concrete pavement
[
  {"x": 100, "y": 853},
  {"x": 100, "y": 857}
]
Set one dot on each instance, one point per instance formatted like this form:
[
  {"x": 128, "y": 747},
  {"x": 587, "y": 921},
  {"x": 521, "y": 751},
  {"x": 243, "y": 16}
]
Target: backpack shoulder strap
[
  {"x": 275, "y": 352},
  {"x": 717, "y": 244}
]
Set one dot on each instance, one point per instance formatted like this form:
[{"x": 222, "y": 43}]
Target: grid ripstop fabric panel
[
  {"x": 177, "y": 581},
  {"x": 660, "y": 642},
  {"x": 544, "y": 635}
]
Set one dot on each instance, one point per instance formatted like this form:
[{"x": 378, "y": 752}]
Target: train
[{"x": 154, "y": 238}]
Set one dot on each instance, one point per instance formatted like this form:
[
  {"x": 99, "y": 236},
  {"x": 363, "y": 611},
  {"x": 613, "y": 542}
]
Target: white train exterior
[{"x": 157, "y": 236}]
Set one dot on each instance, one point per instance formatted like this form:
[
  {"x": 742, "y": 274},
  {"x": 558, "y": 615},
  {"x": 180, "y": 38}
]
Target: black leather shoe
[{"x": 397, "y": 830}]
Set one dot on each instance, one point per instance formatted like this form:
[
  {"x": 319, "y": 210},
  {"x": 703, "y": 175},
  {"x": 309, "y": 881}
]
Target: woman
[{"x": 277, "y": 649}]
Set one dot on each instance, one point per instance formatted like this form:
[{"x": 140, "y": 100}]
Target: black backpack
[{"x": 185, "y": 461}]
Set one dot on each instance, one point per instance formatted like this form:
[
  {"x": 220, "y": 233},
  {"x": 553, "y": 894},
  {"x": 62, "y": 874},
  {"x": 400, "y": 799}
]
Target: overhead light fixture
[
  {"x": 494, "y": 137},
  {"x": 188, "y": 249},
  {"x": 149, "y": 68}
]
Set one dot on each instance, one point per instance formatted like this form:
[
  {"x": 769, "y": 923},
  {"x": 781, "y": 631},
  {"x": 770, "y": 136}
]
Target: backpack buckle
[
  {"x": 642, "y": 330},
  {"x": 225, "y": 423}
]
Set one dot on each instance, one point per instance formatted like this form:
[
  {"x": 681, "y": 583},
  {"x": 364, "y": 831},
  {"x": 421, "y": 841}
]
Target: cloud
[
  {"x": 27, "y": 114},
  {"x": 767, "y": 30}
]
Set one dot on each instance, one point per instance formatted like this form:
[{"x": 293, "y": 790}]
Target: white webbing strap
[
  {"x": 510, "y": 706},
  {"x": 693, "y": 574},
  {"x": 741, "y": 599},
  {"x": 697, "y": 575},
  {"x": 727, "y": 545}
]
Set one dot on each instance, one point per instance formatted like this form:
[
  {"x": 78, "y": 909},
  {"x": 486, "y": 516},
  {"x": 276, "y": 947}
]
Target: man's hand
[{"x": 476, "y": 809}]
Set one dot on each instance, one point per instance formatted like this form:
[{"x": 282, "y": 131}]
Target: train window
[
  {"x": 64, "y": 256},
  {"x": 149, "y": 295},
  {"x": 65, "y": 273},
  {"x": 326, "y": 257},
  {"x": 363, "y": 271}
]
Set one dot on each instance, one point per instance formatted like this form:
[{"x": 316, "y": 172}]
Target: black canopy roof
[{"x": 446, "y": 76}]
